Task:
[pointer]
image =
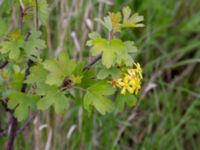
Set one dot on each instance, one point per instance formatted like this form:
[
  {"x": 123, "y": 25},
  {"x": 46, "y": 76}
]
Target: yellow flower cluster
[{"x": 131, "y": 81}]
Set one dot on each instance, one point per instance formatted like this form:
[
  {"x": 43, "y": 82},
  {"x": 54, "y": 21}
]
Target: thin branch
[
  {"x": 27, "y": 72},
  {"x": 27, "y": 36},
  {"x": 3, "y": 64},
  {"x": 12, "y": 134},
  {"x": 37, "y": 16},
  {"x": 26, "y": 124},
  {"x": 4, "y": 132},
  {"x": 88, "y": 66},
  {"x": 4, "y": 104},
  {"x": 14, "y": 131},
  {"x": 21, "y": 10},
  {"x": 13, "y": 120}
]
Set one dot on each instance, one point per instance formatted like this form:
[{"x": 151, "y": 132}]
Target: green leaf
[
  {"x": 128, "y": 99},
  {"x": 93, "y": 36},
  {"x": 108, "y": 58},
  {"x": 113, "y": 51},
  {"x": 106, "y": 22},
  {"x": 12, "y": 46},
  {"x": 17, "y": 81},
  {"x": 59, "y": 69},
  {"x": 102, "y": 74},
  {"x": 14, "y": 54},
  {"x": 86, "y": 80},
  {"x": 130, "y": 45},
  {"x": 131, "y": 21},
  {"x": 22, "y": 103},
  {"x": 108, "y": 49},
  {"x": 98, "y": 46},
  {"x": 113, "y": 72},
  {"x": 52, "y": 97},
  {"x": 96, "y": 96},
  {"x": 34, "y": 43},
  {"x": 54, "y": 79},
  {"x": 37, "y": 74}
]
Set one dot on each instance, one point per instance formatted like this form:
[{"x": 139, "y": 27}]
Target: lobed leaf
[
  {"x": 131, "y": 21},
  {"x": 95, "y": 96},
  {"x": 22, "y": 103},
  {"x": 52, "y": 97}
]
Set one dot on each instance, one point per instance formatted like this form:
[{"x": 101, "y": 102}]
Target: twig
[
  {"x": 26, "y": 124},
  {"x": 27, "y": 36},
  {"x": 13, "y": 120},
  {"x": 12, "y": 134},
  {"x": 4, "y": 104},
  {"x": 21, "y": 10},
  {"x": 88, "y": 66},
  {"x": 4, "y": 132},
  {"x": 27, "y": 72},
  {"x": 37, "y": 16},
  {"x": 3, "y": 64}
]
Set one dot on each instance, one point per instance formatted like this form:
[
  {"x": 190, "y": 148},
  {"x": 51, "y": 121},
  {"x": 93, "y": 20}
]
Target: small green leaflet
[
  {"x": 113, "y": 51},
  {"x": 131, "y": 21},
  {"x": 86, "y": 80},
  {"x": 37, "y": 74},
  {"x": 115, "y": 73},
  {"x": 34, "y": 43},
  {"x": 96, "y": 96},
  {"x": 128, "y": 99},
  {"x": 22, "y": 103},
  {"x": 17, "y": 81},
  {"x": 59, "y": 69},
  {"x": 108, "y": 50},
  {"x": 93, "y": 36},
  {"x": 106, "y": 22},
  {"x": 15, "y": 46},
  {"x": 51, "y": 97},
  {"x": 12, "y": 46}
]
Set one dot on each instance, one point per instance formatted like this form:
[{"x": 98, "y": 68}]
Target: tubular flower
[{"x": 131, "y": 81}]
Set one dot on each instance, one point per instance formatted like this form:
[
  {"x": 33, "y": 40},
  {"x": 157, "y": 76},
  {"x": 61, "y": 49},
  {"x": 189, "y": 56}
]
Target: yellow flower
[
  {"x": 131, "y": 81},
  {"x": 124, "y": 83},
  {"x": 138, "y": 69}
]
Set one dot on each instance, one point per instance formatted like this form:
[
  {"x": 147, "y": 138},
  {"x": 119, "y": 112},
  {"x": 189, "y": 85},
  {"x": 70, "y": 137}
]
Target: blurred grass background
[{"x": 168, "y": 114}]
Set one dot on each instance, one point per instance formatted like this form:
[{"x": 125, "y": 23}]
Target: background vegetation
[{"x": 167, "y": 115}]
